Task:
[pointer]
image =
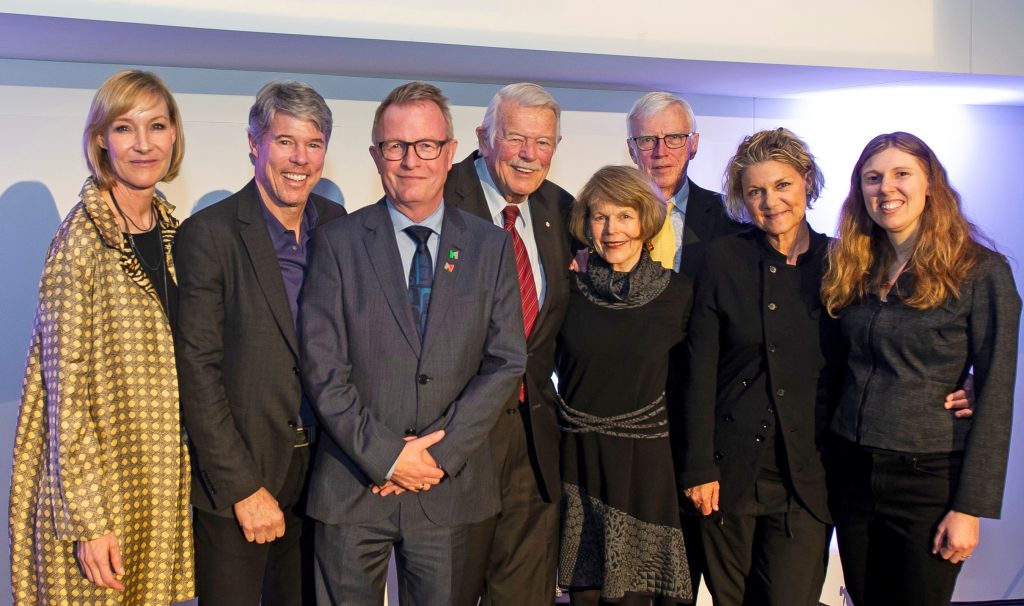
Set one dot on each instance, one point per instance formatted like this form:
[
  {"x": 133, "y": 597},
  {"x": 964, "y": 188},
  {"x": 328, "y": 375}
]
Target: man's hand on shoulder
[{"x": 260, "y": 517}]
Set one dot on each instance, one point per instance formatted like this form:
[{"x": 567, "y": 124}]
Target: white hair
[
  {"x": 651, "y": 104},
  {"x": 523, "y": 94}
]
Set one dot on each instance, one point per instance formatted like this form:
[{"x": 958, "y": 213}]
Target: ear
[
  {"x": 632, "y": 152},
  {"x": 378, "y": 160},
  {"x": 483, "y": 142},
  {"x": 452, "y": 146},
  {"x": 101, "y": 141},
  {"x": 254, "y": 146},
  {"x": 694, "y": 143}
]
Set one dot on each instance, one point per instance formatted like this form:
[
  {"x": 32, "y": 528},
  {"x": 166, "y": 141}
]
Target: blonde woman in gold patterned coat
[{"x": 100, "y": 486}]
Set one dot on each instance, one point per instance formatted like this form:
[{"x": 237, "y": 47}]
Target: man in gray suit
[{"x": 412, "y": 341}]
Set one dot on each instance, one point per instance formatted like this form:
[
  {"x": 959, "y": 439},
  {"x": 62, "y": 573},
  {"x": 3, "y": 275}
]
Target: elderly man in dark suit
[
  {"x": 504, "y": 182},
  {"x": 412, "y": 341},
  {"x": 240, "y": 265},
  {"x": 662, "y": 140}
]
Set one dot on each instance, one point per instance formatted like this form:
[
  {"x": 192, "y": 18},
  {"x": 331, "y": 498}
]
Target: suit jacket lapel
[
  {"x": 382, "y": 252},
  {"x": 542, "y": 214},
  {"x": 447, "y": 269},
  {"x": 264, "y": 262},
  {"x": 469, "y": 191}
]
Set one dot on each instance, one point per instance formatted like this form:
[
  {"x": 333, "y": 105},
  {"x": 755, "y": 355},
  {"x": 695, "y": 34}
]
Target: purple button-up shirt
[{"x": 292, "y": 258}]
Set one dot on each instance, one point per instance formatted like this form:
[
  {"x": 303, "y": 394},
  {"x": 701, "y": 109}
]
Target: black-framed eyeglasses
[
  {"x": 426, "y": 149},
  {"x": 672, "y": 141}
]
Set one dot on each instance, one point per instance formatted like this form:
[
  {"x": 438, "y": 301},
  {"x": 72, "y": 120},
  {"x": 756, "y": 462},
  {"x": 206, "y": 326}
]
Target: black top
[
  {"x": 761, "y": 365},
  {"x": 903, "y": 361},
  {"x": 149, "y": 249}
]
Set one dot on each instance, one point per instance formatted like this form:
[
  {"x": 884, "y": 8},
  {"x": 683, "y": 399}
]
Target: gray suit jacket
[{"x": 372, "y": 382}]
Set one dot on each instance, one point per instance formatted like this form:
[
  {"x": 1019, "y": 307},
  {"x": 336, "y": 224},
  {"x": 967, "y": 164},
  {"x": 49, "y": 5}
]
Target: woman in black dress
[
  {"x": 920, "y": 302},
  {"x": 621, "y": 541},
  {"x": 761, "y": 360}
]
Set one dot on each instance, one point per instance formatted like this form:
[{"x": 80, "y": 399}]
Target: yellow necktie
[{"x": 664, "y": 243}]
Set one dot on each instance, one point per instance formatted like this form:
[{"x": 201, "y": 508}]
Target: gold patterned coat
[{"x": 99, "y": 446}]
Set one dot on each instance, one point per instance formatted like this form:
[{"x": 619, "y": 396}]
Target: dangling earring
[{"x": 649, "y": 246}]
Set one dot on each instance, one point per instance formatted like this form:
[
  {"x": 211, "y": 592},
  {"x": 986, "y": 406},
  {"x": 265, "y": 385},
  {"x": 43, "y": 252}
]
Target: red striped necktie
[{"x": 527, "y": 289}]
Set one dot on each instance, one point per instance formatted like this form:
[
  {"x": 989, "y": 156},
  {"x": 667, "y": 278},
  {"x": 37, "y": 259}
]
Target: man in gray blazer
[
  {"x": 412, "y": 340},
  {"x": 240, "y": 264}
]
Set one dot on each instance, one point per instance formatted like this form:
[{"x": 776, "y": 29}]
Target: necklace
[{"x": 152, "y": 269}]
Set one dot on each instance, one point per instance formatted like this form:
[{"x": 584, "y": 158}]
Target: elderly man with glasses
[{"x": 663, "y": 138}]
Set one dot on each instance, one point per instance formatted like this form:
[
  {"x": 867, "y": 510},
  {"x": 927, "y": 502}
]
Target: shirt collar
[
  {"x": 400, "y": 221},
  {"x": 496, "y": 203},
  {"x": 310, "y": 218},
  {"x": 681, "y": 197}
]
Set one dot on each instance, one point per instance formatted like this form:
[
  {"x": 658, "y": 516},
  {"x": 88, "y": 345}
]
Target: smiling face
[
  {"x": 139, "y": 144},
  {"x": 775, "y": 195},
  {"x": 415, "y": 186},
  {"x": 894, "y": 184},
  {"x": 520, "y": 155},
  {"x": 616, "y": 234},
  {"x": 289, "y": 159},
  {"x": 665, "y": 166}
]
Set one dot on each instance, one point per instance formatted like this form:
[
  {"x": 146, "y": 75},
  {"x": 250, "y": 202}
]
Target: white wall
[{"x": 43, "y": 105}]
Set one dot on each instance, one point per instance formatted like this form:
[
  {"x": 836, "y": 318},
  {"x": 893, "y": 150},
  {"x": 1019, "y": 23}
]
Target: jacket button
[
  {"x": 291, "y": 424},
  {"x": 423, "y": 379},
  {"x": 295, "y": 370},
  {"x": 771, "y": 409},
  {"x": 510, "y": 411},
  {"x": 764, "y": 424},
  {"x": 772, "y": 269},
  {"x": 771, "y": 307},
  {"x": 719, "y": 456},
  {"x": 728, "y": 418},
  {"x": 780, "y": 392},
  {"x": 745, "y": 383},
  {"x": 759, "y": 438},
  {"x": 410, "y": 432},
  {"x": 771, "y": 348}
]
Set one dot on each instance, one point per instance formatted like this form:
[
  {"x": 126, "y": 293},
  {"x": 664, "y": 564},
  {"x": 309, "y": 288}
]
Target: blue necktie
[{"x": 421, "y": 275}]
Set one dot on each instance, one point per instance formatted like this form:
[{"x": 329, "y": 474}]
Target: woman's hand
[
  {"x": 100, "y": 560},
  {"x": 704, "y": 497},
  {"x": 956, "y": 537}
]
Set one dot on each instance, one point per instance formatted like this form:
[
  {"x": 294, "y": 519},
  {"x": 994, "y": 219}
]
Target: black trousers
[
  {"x": 231, "y": 571},
  {"x": 515, "y": 553},
  {"x": 770, "y": 551},
  {"x": 887, "y": 506}
]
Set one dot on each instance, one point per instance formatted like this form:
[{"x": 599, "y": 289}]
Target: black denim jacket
[{"x": 902, "y": 362}]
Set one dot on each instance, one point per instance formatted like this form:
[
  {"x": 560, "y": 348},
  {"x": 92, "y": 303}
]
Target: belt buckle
[{"x": 305, "y": 436}]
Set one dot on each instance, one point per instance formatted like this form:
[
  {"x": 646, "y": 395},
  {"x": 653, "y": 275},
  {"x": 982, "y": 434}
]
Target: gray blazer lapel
[
  {"x": 447, "y": 269},
  {"x": 382, "y": 252},
  {"x": 264, "y": 263}
]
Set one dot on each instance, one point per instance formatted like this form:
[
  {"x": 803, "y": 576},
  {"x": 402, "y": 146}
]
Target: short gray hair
[
  {"x": 655, "y": 102},
  {"x": 295, "y": 98},
  {"x": 413, "y": 92},
  {"x": 523, "y": 94}
]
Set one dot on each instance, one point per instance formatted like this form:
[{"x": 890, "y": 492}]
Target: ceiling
[{"x": 77, "y": 40}]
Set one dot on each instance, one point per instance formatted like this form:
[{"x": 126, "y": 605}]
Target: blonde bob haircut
[
  {"x": 948, "y": 246},
  {"x": 776, "y": 145},
  {"x": 623, "y": 186},
  {"x": 119, "y": 94}
]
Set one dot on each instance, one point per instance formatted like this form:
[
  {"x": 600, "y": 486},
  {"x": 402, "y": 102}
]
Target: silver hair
[
  {"x": 295, "y": 98},
  {"x": 652, "y": 103},
  {"x": 524, "y": 94}
]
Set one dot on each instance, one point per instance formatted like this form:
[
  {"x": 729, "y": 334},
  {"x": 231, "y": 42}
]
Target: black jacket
[
  {"x": 705, "y": 221},
  {"x": 549, "y": 210},
  {"x": 902, "y": 363},
  {"x": 762, "y": 362},
  {"x": 237, "y": 352}
]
